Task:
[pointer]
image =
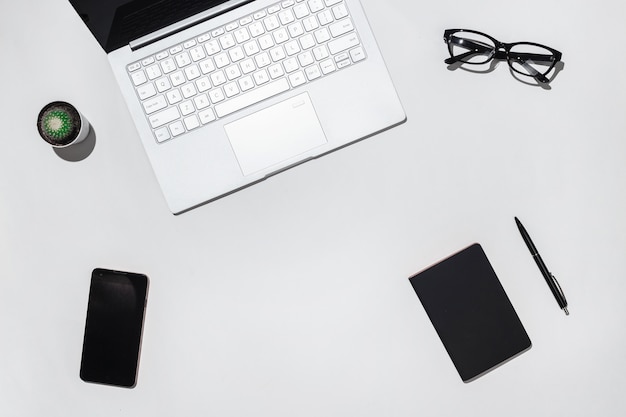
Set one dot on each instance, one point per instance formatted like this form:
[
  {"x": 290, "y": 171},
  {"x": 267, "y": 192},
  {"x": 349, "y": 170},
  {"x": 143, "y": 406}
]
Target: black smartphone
[{"x": 113, "y": 329}]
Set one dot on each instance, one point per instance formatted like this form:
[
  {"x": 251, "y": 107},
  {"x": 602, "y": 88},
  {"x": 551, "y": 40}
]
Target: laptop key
[
  {"x": 305, "y": 59},
  {"x": 203, "y": 84},
  {"x": 231, "y": 89},
  {"x": 183, "y": 59},
  {"x": 174, "y": 96},
  {"x": 177, "y": 128},
  {"x": 261, "y": 77},
  {"x": 139, "y": 78},
  {"x": 341, "y": 27},
  {"x": 340, "y": 11},
  {"x": 134, "y": 67},
  {"x": 310, "y": 23},
  {"x": 313, "y": 72},
  {"x": 227, "y": 41},
  {"x": 322, "y": 35},
  {"x": 246, "y": 83},
  {"x": 273, "y": 9},
  {"x": 216, "y": 95},
  {"x": 197, "y": 53},
  {"x": 207, "y": 66},
  {"x": 301, "y": 10},
  {"x": 327, "y": 66},
  {"x": 343, "y": 43},
  {"x": 146, "y": 91},
  {"x": 162, "y": 134},
  {"x": 186, "y": 107},
  {"x": 343, "y": 64},
  {"x": 357, "y": 54},
  {"x": 168, "y": 65},
  {"x": 163, "y": 84},
  {"x": 201, "y": 101},
  {"x": 315, "y": 5},
  {"x": 206, "y": 116},
  {"x": 341, "y": 57},
  {"x": 191, "y": 122},
  {"x": 153, "y": 72},
  {"x": 286, "y": 17},
  {"x": 188, "y": 90},
  {"x": 154, "y": 104},
  {"x": 325, "y": 17},
  {"x": 297, "y": 78},
  {"x": 164, "y": 117},
  {"x": 205, "y": 37},
  {"x": 212, "y": 47},
  {"x": 291, "y": 65}
]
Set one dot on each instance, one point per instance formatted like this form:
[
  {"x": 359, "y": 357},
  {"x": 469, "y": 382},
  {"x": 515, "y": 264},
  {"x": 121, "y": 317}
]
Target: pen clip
[{"x": 558, "y": 286}]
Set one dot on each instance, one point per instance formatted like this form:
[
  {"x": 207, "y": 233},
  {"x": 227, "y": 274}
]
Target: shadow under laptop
[
  {"x": 270, "y": 175},
  {"x": 79, "y": 151},
  {"x": 524, "y": 80}
]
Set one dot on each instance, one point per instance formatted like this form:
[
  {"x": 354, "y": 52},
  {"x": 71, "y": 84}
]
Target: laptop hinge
[{"x": 186, "y": 23}]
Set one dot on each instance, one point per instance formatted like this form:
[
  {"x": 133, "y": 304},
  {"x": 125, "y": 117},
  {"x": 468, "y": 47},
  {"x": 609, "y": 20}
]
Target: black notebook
[{"x": 471, "y": 312}]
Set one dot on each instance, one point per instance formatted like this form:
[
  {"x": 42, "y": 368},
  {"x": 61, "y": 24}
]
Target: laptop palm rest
[{"x": 275, "y": 134}]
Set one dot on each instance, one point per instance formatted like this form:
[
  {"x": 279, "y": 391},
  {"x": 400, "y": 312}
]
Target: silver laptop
[{"x": 226, "y": 93}]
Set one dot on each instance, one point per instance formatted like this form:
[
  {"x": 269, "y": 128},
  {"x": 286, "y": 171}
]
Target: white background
[{"x": 291, "y": 298}]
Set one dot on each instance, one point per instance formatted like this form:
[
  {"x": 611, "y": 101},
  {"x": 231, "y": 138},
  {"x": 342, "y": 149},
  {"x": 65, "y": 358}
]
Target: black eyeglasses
[{"x": 525, "y": 58}]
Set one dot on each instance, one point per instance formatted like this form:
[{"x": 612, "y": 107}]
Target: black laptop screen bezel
[{"x": 115, "y": 23}]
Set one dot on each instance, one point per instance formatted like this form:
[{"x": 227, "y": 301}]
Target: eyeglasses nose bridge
[{"x": 500, "y": 53}]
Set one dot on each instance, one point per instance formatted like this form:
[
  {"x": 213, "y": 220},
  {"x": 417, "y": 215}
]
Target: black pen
[{"x": 550, "y": 280}]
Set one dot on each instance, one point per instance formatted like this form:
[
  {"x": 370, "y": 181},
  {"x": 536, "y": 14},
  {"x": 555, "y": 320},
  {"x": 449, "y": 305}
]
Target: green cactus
[{"x": 57, "y": 124}]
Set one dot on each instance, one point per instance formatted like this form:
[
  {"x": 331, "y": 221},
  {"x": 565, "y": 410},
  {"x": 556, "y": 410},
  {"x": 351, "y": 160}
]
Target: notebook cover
[{"x": 471, "y": 312}]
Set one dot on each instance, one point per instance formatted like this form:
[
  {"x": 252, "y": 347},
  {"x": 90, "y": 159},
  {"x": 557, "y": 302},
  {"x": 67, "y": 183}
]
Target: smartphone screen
[{"x": 113, "y": 328}]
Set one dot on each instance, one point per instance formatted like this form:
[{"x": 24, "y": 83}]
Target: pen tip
[{"x": 566, "y": 312}]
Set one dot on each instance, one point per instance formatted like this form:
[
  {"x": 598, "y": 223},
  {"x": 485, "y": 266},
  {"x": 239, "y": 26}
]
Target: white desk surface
[{"x": 291, "y": 298}]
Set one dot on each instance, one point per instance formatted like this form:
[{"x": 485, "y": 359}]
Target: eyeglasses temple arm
[
  {"x": 478, "y": 49},
  {"x": 522, "y": 59},
  {"x": 533, "y": 57},
  {"x": 533, "y": 72},
  {"x": 461, "y": 57}
]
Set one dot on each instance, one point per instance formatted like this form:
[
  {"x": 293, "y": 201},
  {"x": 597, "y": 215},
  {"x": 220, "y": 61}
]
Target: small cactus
[{"x": 57, "y": 124}]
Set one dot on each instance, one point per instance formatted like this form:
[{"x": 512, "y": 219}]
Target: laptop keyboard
[{"x": 271, "y": 51}]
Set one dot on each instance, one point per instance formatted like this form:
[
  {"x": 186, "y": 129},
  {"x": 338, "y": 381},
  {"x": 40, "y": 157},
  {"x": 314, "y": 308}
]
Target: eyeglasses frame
[{"x": 502, "y": 51}]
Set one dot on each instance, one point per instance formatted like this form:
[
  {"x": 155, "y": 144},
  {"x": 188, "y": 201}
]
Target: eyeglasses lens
[
  {"x": 471, "y": 48},
  {"x": 531, "y": 59}
]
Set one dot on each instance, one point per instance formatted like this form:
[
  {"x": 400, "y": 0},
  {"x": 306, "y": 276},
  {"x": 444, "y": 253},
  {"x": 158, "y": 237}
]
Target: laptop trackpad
[{"x": 275, "y": 134}]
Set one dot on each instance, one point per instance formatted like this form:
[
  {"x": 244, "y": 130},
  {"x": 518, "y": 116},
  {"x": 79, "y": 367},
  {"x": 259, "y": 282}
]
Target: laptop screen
[{"x": 115, "y": 23}]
